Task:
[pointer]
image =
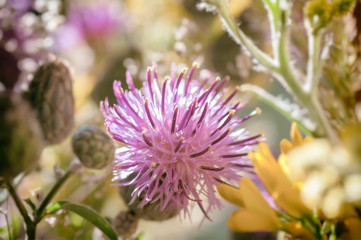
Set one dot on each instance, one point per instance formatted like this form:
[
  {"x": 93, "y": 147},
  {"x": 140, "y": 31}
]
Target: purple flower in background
[
  {"x": 25, "y": 27},
  {"x": 87, "y": 22},
  {"x": 180, "y": 139}
]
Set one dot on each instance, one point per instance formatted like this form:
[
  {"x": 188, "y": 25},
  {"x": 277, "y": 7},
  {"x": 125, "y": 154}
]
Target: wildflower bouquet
[{"x": 178, "y": 139}]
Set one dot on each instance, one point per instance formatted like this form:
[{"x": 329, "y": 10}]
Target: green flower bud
[
  {"x": 125, "y": 224},
  {"x": 342, "y": 7},
  {"x": 93, "y": 146},
  {"x": 151, "y": 211},
  {"x": 20, "y": 137},
  {"x": 51, "y": 95},
  {"x": 319, "y": 13}
]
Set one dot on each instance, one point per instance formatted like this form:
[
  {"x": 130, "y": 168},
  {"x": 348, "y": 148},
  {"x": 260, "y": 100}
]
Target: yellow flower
[
  {"x": 283, "y": 191},
  {"x": 296, "y": 138},
  {"x": 257, "y": 214},
  {"x": 286, "y": 146}
]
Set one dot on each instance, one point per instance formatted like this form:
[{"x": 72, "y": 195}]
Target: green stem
[
  {"x": 284, "y": 73},
  {"x": 240, "y": 37},
  {"x": 7, "y": 222},
  {"x": 16, "y": 183},
  {"x": 51, "y": 194},
  {"x": 333, "y": 235},
  {"x": 282, "y": 69},
  {"x": 308, "y": 99},
  {"x": 30, "y": 225},
  {"x": 312, "y": 228},
  {"x": 313, "y": 64},
  {"x": 285, "y": 216},
  {"x": 322, "y": 118},
  {"x": 314, "y": 67}
]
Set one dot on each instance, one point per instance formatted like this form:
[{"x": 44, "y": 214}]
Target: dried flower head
[
  {"x": 179, "y": 139},
  {"x": 51, "y": 95}
]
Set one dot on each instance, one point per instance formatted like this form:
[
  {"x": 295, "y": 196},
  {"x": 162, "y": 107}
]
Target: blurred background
[{"x": 101, "y": 39}]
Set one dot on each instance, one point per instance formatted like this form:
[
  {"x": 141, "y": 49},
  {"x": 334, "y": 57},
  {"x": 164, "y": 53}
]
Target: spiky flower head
[{"x": 180, "y": 139}]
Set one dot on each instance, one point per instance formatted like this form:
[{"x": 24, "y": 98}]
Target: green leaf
[
  {"x": 85, "y": 212},
  {"x": 140, "y": 236}
]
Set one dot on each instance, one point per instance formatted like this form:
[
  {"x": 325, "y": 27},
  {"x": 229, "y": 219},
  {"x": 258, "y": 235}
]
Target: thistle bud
[
  {"x": 20, "y": 137},
  {"x": 125, "y": 224},
  {"x": 51, "y": 94},
  {"x": 150, "y": 211},
  {"x": 94, "y": 148}
]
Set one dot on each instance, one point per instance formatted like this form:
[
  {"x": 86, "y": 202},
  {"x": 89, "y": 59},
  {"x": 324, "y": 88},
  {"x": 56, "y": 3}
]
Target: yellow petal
[
  {"x": 285, "y": 194},
  {"x": 298, "y": 231},
  {"x": 307, "y": 140},
  {"x": 253, "y": 199},
  {"x": 282, "y": 161},
  {"x": 290, "y": 201},
  {"x": 247, "y": 220},
  {"x": 231, "y": 194},
  {"x": 267, "y": 168},
  {"x": 286, "y": 146},
  {"x": 296, "y": 136}
]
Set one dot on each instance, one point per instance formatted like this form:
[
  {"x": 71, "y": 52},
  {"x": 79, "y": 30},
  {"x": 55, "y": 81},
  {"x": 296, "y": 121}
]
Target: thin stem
[
  {"x": 312, "y": 228},
  {"x": 287, "y": 77},
  {"x": 16, "y": 183},
  {"x": 281, "y": 67},
  {"x": 285, "y": 216},
  {"x": 51, "y": 194},
  {"x": 273, "y": 11},
  {"x": 313, "y": 64},
  {"x": 7, "y": 222},
  {"x": 307, "y": 99},
  {"x": 323, "y": 119},
  {"x": 240, "y": 37},
  {"x": 30, "y": 225},
  {"x": 333, "y": 235}
]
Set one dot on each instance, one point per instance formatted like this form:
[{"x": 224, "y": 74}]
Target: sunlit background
[{"x": 101, "y": 39}]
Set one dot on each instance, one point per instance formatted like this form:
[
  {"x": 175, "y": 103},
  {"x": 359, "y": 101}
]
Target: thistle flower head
[
  {"x": 179, "y": 138},
  {"x": 89, "y": 22}
]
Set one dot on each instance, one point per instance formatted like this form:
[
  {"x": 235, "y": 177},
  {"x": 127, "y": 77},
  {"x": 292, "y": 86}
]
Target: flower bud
[
  {"x": 319, "y": 13},
  {"x": 93, "y": 146},
  {"x": 150, "y": 211},
  {"x": 20, "y": 137},
  {"x": 51, "y": 94},
  {"x": 125, "y": 224}
]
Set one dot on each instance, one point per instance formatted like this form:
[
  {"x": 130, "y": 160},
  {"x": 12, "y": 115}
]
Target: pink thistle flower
[{"x": 179, "y": 138}]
